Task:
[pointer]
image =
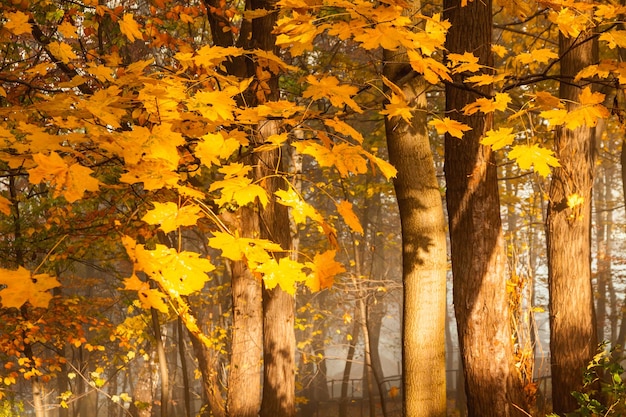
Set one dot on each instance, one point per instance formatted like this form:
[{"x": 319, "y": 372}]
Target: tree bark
[
  {"x": 573, "y": 338},
  {"x": 492, "y": 383},
  {"x": 424, "y": 257}
]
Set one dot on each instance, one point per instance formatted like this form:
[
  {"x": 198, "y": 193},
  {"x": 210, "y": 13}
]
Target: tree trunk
[
  {"x": 573, "y": 338},
  {"x": 424, "y": 257},
  {"x": 492, "y": 383}
]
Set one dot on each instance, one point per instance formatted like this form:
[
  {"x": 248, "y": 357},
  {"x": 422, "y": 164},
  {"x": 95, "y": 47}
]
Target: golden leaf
[
  {"x": 498, "y": 138},
  {"x": 535, "y": 156},
  {"x": 300, "y": 209},
  {"x": 62, "y": 51},
  {"x": 284, "y": 273},
  {"x": 324, "y": 269},
  {"x": 17, "y": 23},
  {"x": 149, "y": 297},
  {"x": 20, "y": 286},
  {"x": 461, "y": 63},
  {"x": 130, "y": 28},
  {"x": 170, "y": 217},
  {"x": 5, "y": 205},
  {"x": 345, "y": 210},
  {"x": 446, "y": 125},
  {"x": 330, "y": 88}
]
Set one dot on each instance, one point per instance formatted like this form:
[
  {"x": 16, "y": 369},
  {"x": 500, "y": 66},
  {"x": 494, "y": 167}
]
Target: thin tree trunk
[
  {"x": 573, "y": 338},
  {"x": 163, "y": 371},
  {"x": 424, "y": 257},
  {"x": 492, "y": 383},
  {"x": 182, "y": 352},
  {"x": 347, "y": 371}
]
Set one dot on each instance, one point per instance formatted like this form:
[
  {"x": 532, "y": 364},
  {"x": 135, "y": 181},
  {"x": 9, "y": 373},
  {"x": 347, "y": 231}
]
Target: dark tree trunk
[
  {"x": 573, "y": 338},
  {"x": 492, "y": 383}
]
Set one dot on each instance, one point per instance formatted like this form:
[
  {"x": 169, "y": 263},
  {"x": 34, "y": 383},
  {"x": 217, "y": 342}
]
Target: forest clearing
[{"x": 281, "y": 208}]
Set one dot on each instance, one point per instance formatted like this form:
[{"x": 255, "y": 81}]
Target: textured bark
[
  {"x": 424, "y": 257},
  {"x": 492, "y": 384},
  {"x": 573, "y": 336}
]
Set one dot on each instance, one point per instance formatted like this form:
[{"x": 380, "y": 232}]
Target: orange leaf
[
  {"x": 452, "y": 127},
  {"x": 17, "y": 23},
  {"x": 324, "y": 269},
  {"x": 331, "y": 89},
  {"x": 170, "y": 217},
  {"x": 345, "y": 209},
  {"x": 130, "y": 28}
]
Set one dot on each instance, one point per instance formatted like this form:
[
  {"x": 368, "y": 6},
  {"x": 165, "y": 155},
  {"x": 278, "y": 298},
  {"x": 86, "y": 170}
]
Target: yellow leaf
[
  {"x": 214, "y": 148},
  {"x": 570, "y": 22},
  {"x": 486, "y": 79},
  {"x": 237, "y": 188},
  {"x": 20, "y": 286},
  {"x": 272, "y": 142},
  {"x": 235, "y": 248},
  {"x": 324, "y": 269},
  {"x": 149, "y": 297},
  {"x": 344, "y": 128},
  {"x": 5, "y": 206},
  {"x": 545, "y": 100},
  {"x": 130, "y": 28},
  {"x": 461, "y": 63},
  {"x": 296, "y": 32},
  {"x": 330, "y": 88},
  {"x": 394, "y": 392},
  {"x": 62, "y": 51},
  {"x": 452, "y": 127},
  {"x": 555, "y": 117},
  {"x": 170, "y": 217},
  {"x": 614, "y": 38},
  {"x": 67, "y": 30},
  {"x": 69, "y": 181},
  {"x": 397, "y": 106},
  {"x": 590, "y": 110},
  {"x": 284, "y": 273},
  {"x": 499, "y": 50},
  {"x": 485, "y": 105},
  {"x": 17, "y": 23},
  {"x": 345, "y": 210},
  {"x": 388, "y": 170},
  {"x": 498, "y": 138},
  {"x": 300, "y": 209},
  {"x": 539, "y": 56},
  {"x": 533, "y": 155}
]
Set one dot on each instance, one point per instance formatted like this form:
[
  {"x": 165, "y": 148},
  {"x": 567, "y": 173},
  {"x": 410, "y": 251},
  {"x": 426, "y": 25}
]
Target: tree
[
  {"x": 424, "y": 254},
  {"x": 573, "y": 333},
  {"x": 492, "y": 383}
]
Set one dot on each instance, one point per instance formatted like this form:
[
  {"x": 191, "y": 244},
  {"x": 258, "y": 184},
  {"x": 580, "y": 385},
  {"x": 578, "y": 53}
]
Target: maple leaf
[
  {"x": 590, "y": 110},
  {"x": 130, "y": 28},
  {"x": 324, "y": 269},
  {"x": 5, "y": 205},
  {"x": 570, "y": 22},
  {"x": 17, "y": 23},
  {"x": 446, "y": 125},
  {"x": 21, "y": 286},
  {"x": 170, "y": 217},
  {"x": 461, "y": 63},
  {"x": 614, "y": 38},
  {"x": 388, "y": 170},
  {"x": 485, "y": 105},
  {"x": 284, "y": 273},
  {"x": 213, "y": 148},
  {"x": 344, "y": 157},
  {"x": 486, "y": 79},
  {"x": 236, "y": 187},
  {"x": 539, "y": 56},
  {"x": 297, "y": 32},
  {"x": 67, "y": 30},
  {"x": 498, "y": 139},
  {"x": 345, "y": 210},
  {"x": 70, "y": 181},
  {"x": 433, "y": 70},
  {"x": 214, "y": 105},
  {"x": 235, "y": 248},
  {"x": 149, "y": 297},
  {"x": 330, "y": 88},
  {"x": 397, "y": 106},
  {"x": 272, "y": 142},
  {"x": 555, "y": 117},
  {"x": 344, "y": 128},
  {"x": 300, "y": 209},
  {"x": 62, "y": 51},
  {"x": 535, "y": 156},
  {"x": 545, "y": 100}
]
